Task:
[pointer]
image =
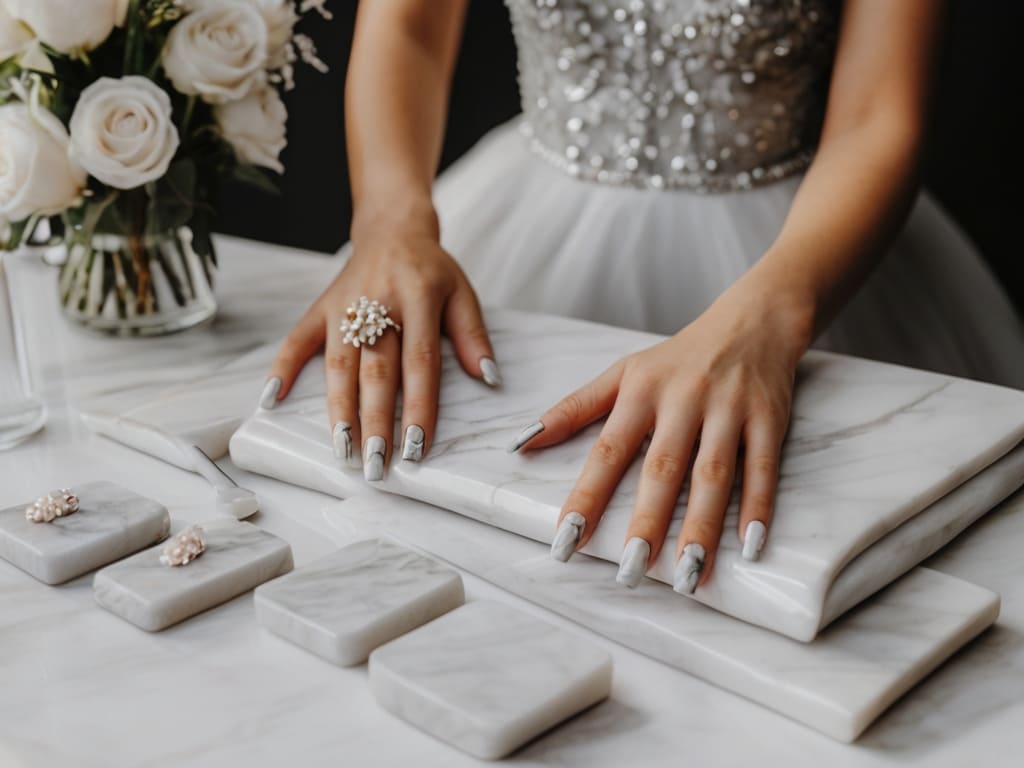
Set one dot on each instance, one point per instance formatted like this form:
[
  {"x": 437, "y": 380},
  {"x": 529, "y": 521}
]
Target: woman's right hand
[{"x": 405, "y": 269}]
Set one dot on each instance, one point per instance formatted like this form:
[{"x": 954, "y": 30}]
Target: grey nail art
[
  {"x": 412, "y": 450},
  {"x": 526, "y": 436},
  {"x": 341, "y": 438},
  {"x": 268, "y": 399},
  {"x": 491, "y": 373},
  {"x": 688, "y": 569},
  {"x": 633, "y": 564},
  {"x": 373, "y": 466},
  {"x": 753, "y": 540},
  {"x": 567, "y": 536}
]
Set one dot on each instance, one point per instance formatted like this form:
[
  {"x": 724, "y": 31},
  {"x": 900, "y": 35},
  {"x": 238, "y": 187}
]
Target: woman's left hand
[{"x": 722, "y": 385}]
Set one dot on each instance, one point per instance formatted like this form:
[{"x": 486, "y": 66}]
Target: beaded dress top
[{"x": 707, "y": 95}]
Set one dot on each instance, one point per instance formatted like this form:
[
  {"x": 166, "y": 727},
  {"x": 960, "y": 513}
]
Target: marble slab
[
  {"x": 112, "y": 522},
  {"x": 487, "y": 678},
  {"x": 238, "y": 557},
  {"x": 871, "y": 447},
  {"x": 344, "y": 605},
  {"x": 838, "y": 685}
]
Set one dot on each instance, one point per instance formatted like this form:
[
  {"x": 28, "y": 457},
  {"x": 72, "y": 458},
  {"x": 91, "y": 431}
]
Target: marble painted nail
[
  {"x": 753, "y": 540},
  {"x": 633, "y": 564},
  {"x": 373, "y": 465},
  {"x": 412, "y": 450},
  {"x": 270, "y": 391},
  {"x": 526, "y": 436},
  {"x": 688, "y": 569},
  {"x": 490, "y": 372},
  {"x": 567, "y": 536},
  {"x": 341, "y": 438}
]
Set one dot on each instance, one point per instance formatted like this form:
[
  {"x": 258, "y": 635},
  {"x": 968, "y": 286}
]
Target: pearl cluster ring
[
  {"x": 365, "y": 322},
  {"x": 55, "y": 504}
]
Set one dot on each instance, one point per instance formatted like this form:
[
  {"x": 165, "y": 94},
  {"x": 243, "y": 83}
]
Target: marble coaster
[
  {"x": 238, "y": 557},
  {"x": 346, "y": 604},
  {"x": 111, "y": 523},
  {"x": 487, "y": 678},
  {"x": 838, "y": 685}
]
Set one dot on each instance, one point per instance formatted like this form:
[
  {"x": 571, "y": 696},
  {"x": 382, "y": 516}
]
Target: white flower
[
  {"x": 255, "y": 127},
  {"x": 15, "y": 37},
  {"x": 69, "y": 26},
  {"x": 122, "y": 132},
  {"x": 218, "y": 52},
  {"x": 280, "y": 17},
  {"x": 36, "y": 174}
]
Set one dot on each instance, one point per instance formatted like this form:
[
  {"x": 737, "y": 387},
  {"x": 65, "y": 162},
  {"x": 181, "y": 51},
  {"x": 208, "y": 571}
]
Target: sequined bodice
[{"x": 710, "y": 95}]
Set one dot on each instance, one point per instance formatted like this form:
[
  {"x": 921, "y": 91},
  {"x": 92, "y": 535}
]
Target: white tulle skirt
[{"x": 531, "y": 237}]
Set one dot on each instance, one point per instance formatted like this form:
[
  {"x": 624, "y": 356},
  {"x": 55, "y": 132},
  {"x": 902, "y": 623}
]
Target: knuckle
[
  {"x": 572, "y": 408},
  {"x": 476, "y": 334},
  {"x": 664, "y": 467},
  {"x": 714, "y": 470},
  {"x": 340, "y": 362},
  {"x": 375, "y": 371},
  {"x": 764, "y": 465},
  {"x": 422, "y": 353},
  {"x": 607, "y": 452}
]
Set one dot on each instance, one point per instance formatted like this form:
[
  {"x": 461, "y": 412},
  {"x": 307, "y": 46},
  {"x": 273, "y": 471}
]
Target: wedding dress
[{"x": 660, "y": 147}]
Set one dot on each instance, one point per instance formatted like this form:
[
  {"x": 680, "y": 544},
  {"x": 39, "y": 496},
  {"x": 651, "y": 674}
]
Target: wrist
[
  {"x": 780, "y": 305},
  {"x": 412, "y": 214}
]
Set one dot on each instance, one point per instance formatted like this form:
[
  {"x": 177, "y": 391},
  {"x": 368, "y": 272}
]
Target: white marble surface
[
  {"x": 487, "y": 678},
  {"x": 153, "y": 595},
  {"x": 111, "y": 523},
  {"x": 872, "y": 451},
  {"x": 837, "y": 685},
  {"x": 218, "y": 691},
  {"x": 344, "y": 605}
]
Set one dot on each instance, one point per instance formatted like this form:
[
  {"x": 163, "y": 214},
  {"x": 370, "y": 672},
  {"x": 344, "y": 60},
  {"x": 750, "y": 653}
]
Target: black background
[{"x": 973, "y": 160}]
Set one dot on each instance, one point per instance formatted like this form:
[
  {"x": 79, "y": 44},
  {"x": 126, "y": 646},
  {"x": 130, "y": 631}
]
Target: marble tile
[
  {"x": 111, "y": 523},
  {"x": 837, "y": 685},
  {"x": 870, "y": 448},
  {"x": 344, "y": 605},
  {"x": 487, "y": 678},
  {"x": 152, "y": 596}
]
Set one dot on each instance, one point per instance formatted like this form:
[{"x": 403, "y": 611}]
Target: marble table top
[{"x": 83, "y": 688}]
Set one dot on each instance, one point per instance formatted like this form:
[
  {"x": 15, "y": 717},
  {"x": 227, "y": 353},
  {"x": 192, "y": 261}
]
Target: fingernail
[
  {"x": 688, "y": 569},
  {"x": 633, "y": 564},
  {"x": 270, "y": 390},
  {"x": 490, "y": 372},
  {"x": 373, "y": 465},
  {"x": 753, "y": 540},
  {"x": 526, "y": 436},
  {"x": 412, "y": 450},
  {"x": 341, "y": 437},
  {"x": 567, "y": 536}
]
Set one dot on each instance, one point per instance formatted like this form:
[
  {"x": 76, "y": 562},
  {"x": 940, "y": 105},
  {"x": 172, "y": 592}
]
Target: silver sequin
[{"x": 709, "y": 95}]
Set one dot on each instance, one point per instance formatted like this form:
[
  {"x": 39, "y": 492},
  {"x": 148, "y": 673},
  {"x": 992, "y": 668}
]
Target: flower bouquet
[{"x": 119, "y": 120}]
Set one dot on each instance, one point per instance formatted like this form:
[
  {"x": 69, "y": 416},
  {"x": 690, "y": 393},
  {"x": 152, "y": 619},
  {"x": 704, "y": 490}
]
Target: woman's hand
[
  {"x": 403, "y": 267},
  {"x": 722, "y": 384}
]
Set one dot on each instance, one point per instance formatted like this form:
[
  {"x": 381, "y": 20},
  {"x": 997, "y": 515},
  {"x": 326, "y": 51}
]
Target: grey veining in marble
[
  {"x": 487, "y": 678},
  {"x": 838, "y": 685},
  {"x": 238, "y": 557},
  {"x": 342, "y": 606},
  {"x": 872, "y": 449},
  {"x": 112, "y": 522}
]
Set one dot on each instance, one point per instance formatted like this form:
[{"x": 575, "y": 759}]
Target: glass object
[
  {"x": 138, "y": 285},
  {"x": 22, "y": 413}
]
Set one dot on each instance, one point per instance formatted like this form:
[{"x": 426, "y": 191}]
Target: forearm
[{"x": 395, "y": 102}]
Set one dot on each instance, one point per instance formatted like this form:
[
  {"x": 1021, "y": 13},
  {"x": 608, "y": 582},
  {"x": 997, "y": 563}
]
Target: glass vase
[
  {"x": 138, "y": 285},
  {"x": 22, "y": 413}
]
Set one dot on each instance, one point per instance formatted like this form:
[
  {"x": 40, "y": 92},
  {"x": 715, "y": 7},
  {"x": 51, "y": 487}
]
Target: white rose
[
  {"x": 36, "y": 174},
  {"x": 280, "y": 17},
  {"x": 122, "y": 132},
  {"x": 255, "y": 127},
  {"x": 218, "y": 52},
  {"x": 69, "y": 26},
  {"x": 14, "y": 36}
]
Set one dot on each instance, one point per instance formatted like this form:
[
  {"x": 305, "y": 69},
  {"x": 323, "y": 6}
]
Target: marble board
[
  {"x": 112, "y": 522},
  {"x": 153, "y": 596},
  {"x": 837, "y": 685},
  {"x": 344, "y": 605},
  {"x": 487, "y": 678},
  {"x": 874, "y": 455}
]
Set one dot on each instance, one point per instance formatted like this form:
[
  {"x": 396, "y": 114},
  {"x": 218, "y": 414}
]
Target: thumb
[{"x": 464, "y": 324}]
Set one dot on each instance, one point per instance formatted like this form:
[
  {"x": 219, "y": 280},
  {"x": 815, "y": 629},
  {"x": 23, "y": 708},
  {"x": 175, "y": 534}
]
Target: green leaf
[{"x": 254, "y": 177}]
